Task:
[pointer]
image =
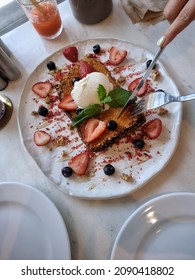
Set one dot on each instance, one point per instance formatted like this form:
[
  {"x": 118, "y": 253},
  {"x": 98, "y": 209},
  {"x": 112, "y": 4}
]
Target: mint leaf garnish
[
  {"x": 103, "y": 98},
  {"x": 107, "y": 99},
  {"x": 115, "y": 98},
  {"x": 90, "y": 111},
  {"x": 101, "y": 93},
  {"x": 119, "y": 97}
]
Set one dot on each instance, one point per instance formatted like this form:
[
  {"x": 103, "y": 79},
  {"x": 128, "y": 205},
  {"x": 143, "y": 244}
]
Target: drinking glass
[
  {"x": 91, "y": 11},
  {"x": 44, "y": 16},
  {"x": 3, "y": 85}
]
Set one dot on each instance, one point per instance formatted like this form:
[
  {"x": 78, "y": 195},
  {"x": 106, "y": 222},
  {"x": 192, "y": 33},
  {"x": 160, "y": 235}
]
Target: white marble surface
[{"x": 94, "y": 225}]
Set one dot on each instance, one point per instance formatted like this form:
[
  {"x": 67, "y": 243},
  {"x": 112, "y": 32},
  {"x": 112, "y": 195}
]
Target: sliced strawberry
[
  {"x": 67, "y": 103},
  {"x": 42, "y": 89},
  {"x": 85, "y": 69},
  {"x": 58, "y": 76},
  {"x": 93, "y": 129},
  {"x": 117, "y": 55},
  {"x": 150, "y": 89},
  {"x": 71, "y": 53},
  {"x": 153, "y": 128},
  {"x": 135, "y": 83},
  {"x": 41, "y": 138},
  {"x": 79, "y": 163}
]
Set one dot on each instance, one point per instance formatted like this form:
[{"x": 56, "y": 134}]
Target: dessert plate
[
  {"x": 31, "y": 226},
  {"x": 132, "y": 170},
  {"x": 161, "y": 229}
]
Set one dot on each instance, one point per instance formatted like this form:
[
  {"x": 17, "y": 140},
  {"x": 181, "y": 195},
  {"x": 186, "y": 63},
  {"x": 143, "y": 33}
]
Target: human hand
[{"x": 180, "y": 13}]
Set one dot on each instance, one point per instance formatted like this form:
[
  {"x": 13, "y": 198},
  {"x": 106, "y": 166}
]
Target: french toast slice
[{"x": 126, "y": 123}]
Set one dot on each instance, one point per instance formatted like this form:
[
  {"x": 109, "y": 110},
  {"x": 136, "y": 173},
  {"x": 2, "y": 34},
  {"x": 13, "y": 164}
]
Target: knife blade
[{"x": 143, "y": 80}]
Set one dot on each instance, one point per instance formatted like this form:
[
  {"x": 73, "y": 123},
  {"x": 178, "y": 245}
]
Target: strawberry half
[
  {"x": 41, "y": 138},
  {"x": 67, "y": 103},
  {"x": 117, "y": 55},
  {"x": 135, "y": 83},
  {"x": 153, "y": 128},
  {"x": 85, "y": 69},
  {"x": 93, "y": 129},
  {"x": 71, "y": 53},
  {"x": 79, "y": 163},
  {"x": 42, "y": 89}
]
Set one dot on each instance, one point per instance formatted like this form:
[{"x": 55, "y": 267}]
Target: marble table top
[{"x": 93, "y": 225}]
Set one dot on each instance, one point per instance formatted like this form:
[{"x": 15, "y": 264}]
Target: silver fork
[{"x": 156, "y": 100}]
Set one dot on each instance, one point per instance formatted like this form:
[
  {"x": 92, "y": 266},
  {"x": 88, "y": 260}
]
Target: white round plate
[
  {"x": 31, "y": 226},
  {"x": 161, "y": 229},
  {"x": 155, "y": 155}
]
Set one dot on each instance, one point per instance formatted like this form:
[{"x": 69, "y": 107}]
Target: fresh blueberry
[
  {"x": 96, "y": 48},
  {"x": 160, "y": 90},
  {"x": 78, "y": 110},
  {"x": 43, "y": 111},
  {"x": 109, "y": 169},
  {"x": 112, "y": 125},
  {"x": 139, "y": 143},
  {"x": 148, "y": 62},
  {"x": 51, "y": 65},
  {"x": 67, "y": 171},
  {"x": 75, "y": 79}
]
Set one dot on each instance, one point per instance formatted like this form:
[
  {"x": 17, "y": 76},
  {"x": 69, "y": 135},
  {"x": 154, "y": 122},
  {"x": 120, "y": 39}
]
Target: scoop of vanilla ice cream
[{"x": 85, "y": 91}]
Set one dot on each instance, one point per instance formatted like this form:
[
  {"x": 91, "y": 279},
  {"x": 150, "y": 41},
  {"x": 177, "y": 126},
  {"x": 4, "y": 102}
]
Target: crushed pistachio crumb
[
  {"x": 60, "y": 141},
  {"x": 90, "y": 173},
  {"x": 91, "y": 187},
  {"x": 34, "y": 113},
  {"x": 126, "y": 177},
  {"x": 162, "y": 111},
  {"x": 70, "y": 126},
  {"x": 43, "y": 124},
  {"x": 47, "y": 100},
  {"x": 121, "y": 80},
  {"x": 155, "y": 74}
]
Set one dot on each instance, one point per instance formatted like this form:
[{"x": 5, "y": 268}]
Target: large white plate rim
[
  {"x": 153, "y": 203},
  {"x": 110, "y": 194},
  {"x": 46, "y": 213}
]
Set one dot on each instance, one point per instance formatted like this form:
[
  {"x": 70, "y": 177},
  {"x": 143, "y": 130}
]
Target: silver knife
[{"x": 146, "y": 75}]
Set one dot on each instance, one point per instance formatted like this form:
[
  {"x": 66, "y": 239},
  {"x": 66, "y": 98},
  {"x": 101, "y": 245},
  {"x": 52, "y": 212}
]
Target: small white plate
[
  {"x": 30, "y": 225},
  {"x": 161, "y": 229}
]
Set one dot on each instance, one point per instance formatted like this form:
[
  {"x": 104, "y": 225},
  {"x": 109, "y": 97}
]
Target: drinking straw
[{"x": 34, "y": 2}]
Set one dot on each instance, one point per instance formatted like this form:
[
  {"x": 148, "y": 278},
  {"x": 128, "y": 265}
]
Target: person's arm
[{"x": 180, "y": 13}]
